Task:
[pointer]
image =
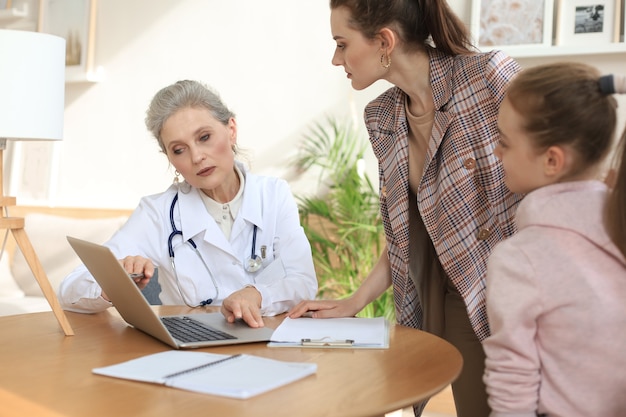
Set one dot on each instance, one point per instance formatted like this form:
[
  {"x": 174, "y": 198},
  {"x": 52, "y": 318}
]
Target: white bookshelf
[
  {"x": 12, "y": 15},
  {"x": 564, "y": 50}
]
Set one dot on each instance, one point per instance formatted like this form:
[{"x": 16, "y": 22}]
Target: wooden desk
[{"x": 44, "y": 373}]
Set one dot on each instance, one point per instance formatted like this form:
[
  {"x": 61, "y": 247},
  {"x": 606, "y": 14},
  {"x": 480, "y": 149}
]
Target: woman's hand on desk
[
  {"x": 325, "y": 308},
  {"x": 244, "y": 304},
  {"x": 374, "y": 285}
]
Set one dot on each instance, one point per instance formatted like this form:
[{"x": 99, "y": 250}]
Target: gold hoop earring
[
  {"x": 177, "y": 177},
  {"x": 382, "y": 60}
]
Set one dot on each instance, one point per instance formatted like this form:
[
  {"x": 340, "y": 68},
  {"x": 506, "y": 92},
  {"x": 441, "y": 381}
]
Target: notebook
[
  {"x": 136, "y": 311},
  {"x": 239, "y": 376}
]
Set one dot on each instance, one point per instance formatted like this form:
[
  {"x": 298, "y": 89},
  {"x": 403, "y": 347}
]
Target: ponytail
[
  {"x": 616, "y": 205},
  {"x": 448, "y": 32}
]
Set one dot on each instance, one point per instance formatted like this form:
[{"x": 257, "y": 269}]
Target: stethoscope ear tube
[
  {"x": 254, "y": 261},
  {"x": 170, "y": 249},
  {"x": 175, "y": 231}
]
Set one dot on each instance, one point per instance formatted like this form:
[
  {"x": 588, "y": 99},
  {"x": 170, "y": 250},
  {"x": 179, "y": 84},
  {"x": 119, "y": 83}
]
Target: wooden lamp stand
[{"x": 16, "y": 226}]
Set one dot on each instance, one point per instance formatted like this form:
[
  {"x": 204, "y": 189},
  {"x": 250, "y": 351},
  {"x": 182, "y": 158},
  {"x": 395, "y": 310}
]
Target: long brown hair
[
  {"x": 616, "y": 205},
  {"x": 416, "y": 21}
]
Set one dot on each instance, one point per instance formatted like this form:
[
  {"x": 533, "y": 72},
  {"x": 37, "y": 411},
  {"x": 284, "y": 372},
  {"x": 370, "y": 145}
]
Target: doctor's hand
[
  {"x": 323, "y": 309},
  {"x": 142, "y": 267},
  {"x": 244, "y": 304},
  {"x": 137, "y": 265}
]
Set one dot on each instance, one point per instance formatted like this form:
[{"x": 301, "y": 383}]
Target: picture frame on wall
[
  {"x": 75, "y": 21},
  {"x": 34, "y": 170},
  {"x": 588, "y": 22},
  {"x": 512, "y": 24},
  {"x": 620, "y": 25}
]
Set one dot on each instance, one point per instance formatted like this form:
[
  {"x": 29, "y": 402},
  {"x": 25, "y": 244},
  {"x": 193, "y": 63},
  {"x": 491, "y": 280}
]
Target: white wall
[{"x": 270, "y": 60}]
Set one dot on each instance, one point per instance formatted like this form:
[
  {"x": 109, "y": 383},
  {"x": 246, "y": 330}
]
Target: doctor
[{"x": 220, "y": 235}]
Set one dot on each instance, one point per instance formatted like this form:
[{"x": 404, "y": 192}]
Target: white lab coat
[{"x": 286, "y": 277}]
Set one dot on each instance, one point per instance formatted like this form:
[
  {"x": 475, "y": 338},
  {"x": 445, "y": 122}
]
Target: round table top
[{"x": 46, "y": 373}]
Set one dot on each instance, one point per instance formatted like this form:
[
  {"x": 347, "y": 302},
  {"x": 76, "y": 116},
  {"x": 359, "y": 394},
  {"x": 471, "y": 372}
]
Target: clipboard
[{"x": 343, "y": 333}]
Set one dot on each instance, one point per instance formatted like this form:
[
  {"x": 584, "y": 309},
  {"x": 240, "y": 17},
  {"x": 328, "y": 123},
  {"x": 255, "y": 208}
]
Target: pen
[
  {"x": 136, "y": 277},
  {"x": 325, "y": 342},
  {"x": 206, "y": 365}
]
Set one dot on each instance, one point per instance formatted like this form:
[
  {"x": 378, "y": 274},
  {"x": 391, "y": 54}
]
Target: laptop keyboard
[{"x": 188, "y": 330}]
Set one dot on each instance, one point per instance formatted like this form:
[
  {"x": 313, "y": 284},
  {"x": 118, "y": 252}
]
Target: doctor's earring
[{"x": 183, "y": 186}]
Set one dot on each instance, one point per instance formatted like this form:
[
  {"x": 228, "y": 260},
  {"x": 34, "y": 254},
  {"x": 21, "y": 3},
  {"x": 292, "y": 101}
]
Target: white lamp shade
[{"x": 32, "y": 85}]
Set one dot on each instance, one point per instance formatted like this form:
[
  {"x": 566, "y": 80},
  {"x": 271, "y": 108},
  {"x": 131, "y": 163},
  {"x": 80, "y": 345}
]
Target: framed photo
[
  {"x": 33, "y": 168},
  {"x": 509, "y": 24},
  {"x": 588, "y": 22},
  {"x": 5, "y": 4},
  {"x": 75, "y": 21},
  {"x": 620, "y": 23}
]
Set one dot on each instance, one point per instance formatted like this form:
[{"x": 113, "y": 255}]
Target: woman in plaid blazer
[{"x": 443, "y": 201}]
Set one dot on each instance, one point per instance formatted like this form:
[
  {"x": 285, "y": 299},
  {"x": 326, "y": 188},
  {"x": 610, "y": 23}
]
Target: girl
[{"x": 556, "y": 290}]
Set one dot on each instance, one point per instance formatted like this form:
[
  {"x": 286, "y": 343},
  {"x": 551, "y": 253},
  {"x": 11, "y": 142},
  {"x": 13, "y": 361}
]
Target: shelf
[
  {"x": 564, "y": 50},
  {"x": 8, "y": 16},
  {"x": 21, "y": 16},
  {"x": 73, "y": 76}
]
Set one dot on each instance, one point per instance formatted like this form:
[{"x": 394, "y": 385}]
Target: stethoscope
[{"x": 253, "y": 263}]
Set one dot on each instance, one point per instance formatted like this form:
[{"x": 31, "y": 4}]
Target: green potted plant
[{"x": 342, "y": 220}]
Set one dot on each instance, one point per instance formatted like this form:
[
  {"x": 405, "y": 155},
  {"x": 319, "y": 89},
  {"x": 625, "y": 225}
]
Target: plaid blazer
[{"x": 462, "y": 199}]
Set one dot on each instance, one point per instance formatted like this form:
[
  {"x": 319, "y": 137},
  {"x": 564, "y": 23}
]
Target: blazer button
[
  {"x": 383, "y": 191},
  {"x": 470, "y": 163},
  {"x": 483, "y": 234}
]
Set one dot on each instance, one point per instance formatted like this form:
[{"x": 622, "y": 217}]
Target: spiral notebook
[{"x": 238, "y": 376}]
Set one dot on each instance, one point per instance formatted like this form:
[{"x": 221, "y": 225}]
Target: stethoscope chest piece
[{"x": 254, "y": 263}]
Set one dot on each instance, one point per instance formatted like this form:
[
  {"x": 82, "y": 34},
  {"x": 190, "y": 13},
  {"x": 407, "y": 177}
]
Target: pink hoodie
[{"x": 556, "y": 303}]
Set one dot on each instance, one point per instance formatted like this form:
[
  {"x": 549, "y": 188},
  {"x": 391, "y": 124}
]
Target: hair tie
[
  {"x": 619, "y": 84},
  {"x": 607, "y": 85}
]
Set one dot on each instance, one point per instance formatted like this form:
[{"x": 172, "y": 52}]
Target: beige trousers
[{"x": 445, "y": 315}]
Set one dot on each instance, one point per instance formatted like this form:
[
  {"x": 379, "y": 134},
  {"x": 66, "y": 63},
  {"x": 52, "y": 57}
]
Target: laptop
[{"x": 136, "y": 311}]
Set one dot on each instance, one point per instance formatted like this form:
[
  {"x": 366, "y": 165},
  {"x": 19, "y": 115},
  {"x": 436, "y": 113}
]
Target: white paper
[
  {"x": 253, "y": 375},
  {"x": 153, "y": 368},
  {"x": 363, "y": 332}
]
